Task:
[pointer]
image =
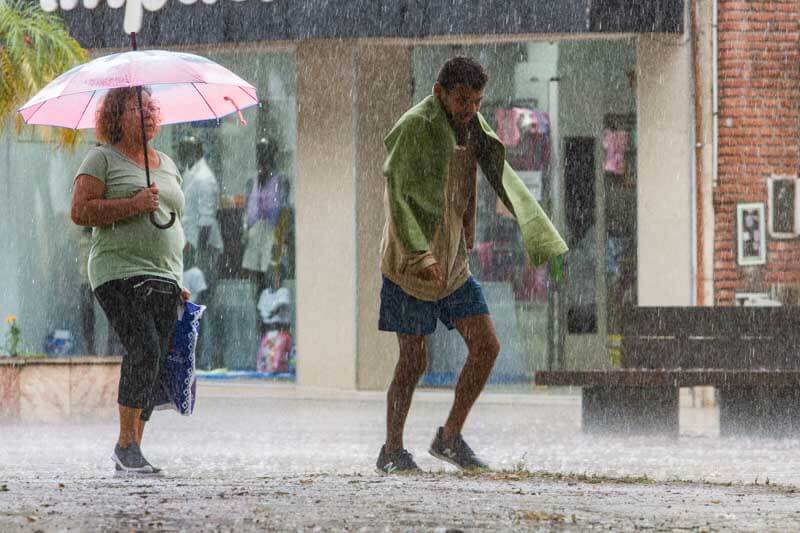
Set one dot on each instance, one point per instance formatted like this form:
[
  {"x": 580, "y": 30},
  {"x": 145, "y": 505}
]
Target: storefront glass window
[
  {"x": 251, "y": 278},
  {"x": 246, "y": 255}
]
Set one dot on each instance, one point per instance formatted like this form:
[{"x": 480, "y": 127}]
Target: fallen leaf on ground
[{"x": 540, "y": 516}]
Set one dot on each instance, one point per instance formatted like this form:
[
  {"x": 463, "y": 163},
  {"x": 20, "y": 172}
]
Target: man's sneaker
[
  {"x": 130, "y": 460},
  {"x": 119, "y": 469},
  {"x": 392, "y": 463},
  {"x": 455, "y": 451}
]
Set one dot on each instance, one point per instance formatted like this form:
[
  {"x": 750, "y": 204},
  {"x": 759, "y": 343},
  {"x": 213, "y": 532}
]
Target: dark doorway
[
  {"x": 579, "y": 177},
  {"x": 579, "y": 206}
]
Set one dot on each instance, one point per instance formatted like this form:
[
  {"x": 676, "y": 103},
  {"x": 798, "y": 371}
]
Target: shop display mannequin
[
  {"x": 266, "y": 220},
  {"x": 200, "y": 224},
  {"x": 204, "y": 243}
]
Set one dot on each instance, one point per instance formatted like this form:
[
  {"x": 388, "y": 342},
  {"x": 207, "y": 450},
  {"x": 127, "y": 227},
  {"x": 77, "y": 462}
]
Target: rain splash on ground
[{"x": 276, "y": 457}]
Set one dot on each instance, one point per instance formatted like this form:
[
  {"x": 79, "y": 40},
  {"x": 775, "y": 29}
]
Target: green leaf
[{"x": 35, "y": 47}]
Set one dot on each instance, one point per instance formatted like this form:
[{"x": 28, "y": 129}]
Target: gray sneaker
[
  {"x": 118, "y": 469},
  {"x": 456, "y": 452},
  {"x": 130, "y": 460},
  {"x": 395, "y": 463}
]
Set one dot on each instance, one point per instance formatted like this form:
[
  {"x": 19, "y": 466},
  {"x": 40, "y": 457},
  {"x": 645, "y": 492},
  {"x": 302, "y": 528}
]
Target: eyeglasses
[{"x": 150, "y": 109}]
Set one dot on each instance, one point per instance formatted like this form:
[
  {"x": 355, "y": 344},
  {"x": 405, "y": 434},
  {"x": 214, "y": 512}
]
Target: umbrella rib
[
  {"x": 89, "y": 101},
  {"x": 206, "y": 101},
  {"x": 245, "y": 92},
  {"x": 27, "y": 121}
]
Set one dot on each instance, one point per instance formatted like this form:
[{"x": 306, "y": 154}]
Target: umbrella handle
[
  {"x": 144, "y": 146},
  {"x": 166, "y": 224}
]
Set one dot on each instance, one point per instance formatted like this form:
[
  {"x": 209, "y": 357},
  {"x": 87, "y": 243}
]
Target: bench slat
[
  {"x": 654, "y": 352},
  {"x": 725, "y": 322},
  {"x": 669, "y": 378},
  {"x": 709, "y": 353},
  {"x": 774, "y": 354}
]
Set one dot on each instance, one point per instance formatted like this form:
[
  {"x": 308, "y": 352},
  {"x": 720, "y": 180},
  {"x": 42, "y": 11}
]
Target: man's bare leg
[
  {"x": 481, "y": 339},
  {"x": 410, "y": 367}
]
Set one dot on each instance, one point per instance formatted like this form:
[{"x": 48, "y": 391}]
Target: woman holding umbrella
[
  {"x": 135, "y": 262},
  {"x": 135, "y": 266}
]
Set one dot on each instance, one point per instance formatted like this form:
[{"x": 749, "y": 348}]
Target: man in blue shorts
[{"x": 431, "y": 168}]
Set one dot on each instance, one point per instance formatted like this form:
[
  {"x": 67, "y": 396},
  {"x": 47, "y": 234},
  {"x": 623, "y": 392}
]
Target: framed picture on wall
[
  {"x": 783, "y": 207},
  {"x": 751, "y": 235}
]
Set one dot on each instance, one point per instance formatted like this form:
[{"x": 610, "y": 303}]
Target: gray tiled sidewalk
[{"x": 269, "y": 456}]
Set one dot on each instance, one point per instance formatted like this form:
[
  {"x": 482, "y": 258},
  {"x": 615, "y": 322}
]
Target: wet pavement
[{"x": 258, "y": 456}]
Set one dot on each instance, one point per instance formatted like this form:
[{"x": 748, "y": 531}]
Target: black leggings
[{"x": 143, "y": 311}]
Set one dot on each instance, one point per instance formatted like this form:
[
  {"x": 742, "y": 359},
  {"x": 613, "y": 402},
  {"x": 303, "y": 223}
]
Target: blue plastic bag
[{"x": 178, "y": 392}]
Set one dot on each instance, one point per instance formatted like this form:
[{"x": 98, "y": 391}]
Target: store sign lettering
[{"x": 133, "y": 8}]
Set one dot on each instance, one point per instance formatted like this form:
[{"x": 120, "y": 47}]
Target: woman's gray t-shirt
[{"x": 134, "y": 246}]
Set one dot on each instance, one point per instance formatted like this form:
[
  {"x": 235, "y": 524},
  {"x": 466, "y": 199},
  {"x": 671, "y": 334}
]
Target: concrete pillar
[
  {"x": 665, "y": 179},
  {"x": 383, "y": 94},
  {"x": 349, "y": 94},
  {"x": 325, "y": 215},
  {"x": 705, "y": 203}
]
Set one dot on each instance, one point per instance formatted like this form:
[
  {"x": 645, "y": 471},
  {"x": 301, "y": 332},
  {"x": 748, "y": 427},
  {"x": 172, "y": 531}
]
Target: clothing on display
[
  {"x": 509, "y": 123},
  {"x": 275, "y": 353},
  {"x": 258, "y": 248},
  {"x": 195, "y": 282},
  {"x": 202, "y": 201},
  {"x": 615, "y": 248},
  {"x": 277, "y": 347},
  {"x": 619, "y": 142},
  {"x": 275, "y": 306},
  {"x": 267, "y": 221},
  {"x": 266, "y": 202},
  {"x": 616, "y": 144},
  {"x": 526, "y": 136}
]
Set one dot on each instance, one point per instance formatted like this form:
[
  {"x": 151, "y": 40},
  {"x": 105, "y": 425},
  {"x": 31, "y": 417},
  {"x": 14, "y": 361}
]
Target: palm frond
[{"x": 35, "y": 47}]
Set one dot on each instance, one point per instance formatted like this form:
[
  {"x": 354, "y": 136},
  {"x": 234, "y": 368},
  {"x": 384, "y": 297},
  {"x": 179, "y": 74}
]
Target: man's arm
[
  {"x": 469, "y": 219},
  {"x": 402, "y": 168}
]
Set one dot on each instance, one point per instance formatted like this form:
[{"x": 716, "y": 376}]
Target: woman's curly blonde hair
[{"x": 108, "y": 125}]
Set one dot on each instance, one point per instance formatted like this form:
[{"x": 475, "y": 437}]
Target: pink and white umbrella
[{"x": 187, "y": 87}]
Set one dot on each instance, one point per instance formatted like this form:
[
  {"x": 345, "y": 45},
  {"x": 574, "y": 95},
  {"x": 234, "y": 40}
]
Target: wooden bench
[{"x": 751, "y": 355}]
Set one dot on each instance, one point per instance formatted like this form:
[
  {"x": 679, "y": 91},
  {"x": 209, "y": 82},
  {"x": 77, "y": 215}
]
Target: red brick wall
[{"x": 759, "y": 133}]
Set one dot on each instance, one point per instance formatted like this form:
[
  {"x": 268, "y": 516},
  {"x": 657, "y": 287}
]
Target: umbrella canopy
[{"x": 187, "y": 88}]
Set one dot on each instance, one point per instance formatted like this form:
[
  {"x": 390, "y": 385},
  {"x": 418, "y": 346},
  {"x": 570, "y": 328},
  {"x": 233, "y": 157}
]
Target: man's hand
[
  {"x": 146, "y": 200},
  {"x": 185, "y": 294},
  {"x": 432, "y": 273}
]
